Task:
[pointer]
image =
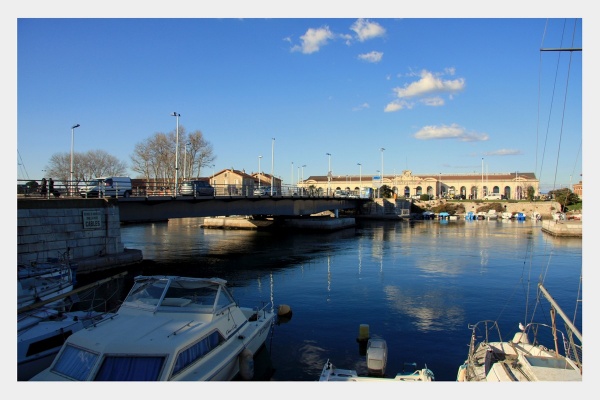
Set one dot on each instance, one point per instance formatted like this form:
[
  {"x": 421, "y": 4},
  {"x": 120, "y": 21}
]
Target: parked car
[
  {"x": 196, "y": 188},
  {"x": 262, "y": 190}
]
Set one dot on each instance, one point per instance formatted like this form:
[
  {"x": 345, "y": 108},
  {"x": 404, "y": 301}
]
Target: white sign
[{"x": 91, "y": 219}]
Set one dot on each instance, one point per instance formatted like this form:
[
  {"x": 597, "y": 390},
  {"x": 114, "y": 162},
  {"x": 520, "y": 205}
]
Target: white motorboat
[
  {"x": 524, "y": 358},
  {"x": 43, "y": 280},
  {"x": 330, "y": 373},
  {"x": 507, "y": 215},
  {"x": 168, "y": 328},
  {"x": 376, "y": 357},
  {"x": 491, "y": 215}
]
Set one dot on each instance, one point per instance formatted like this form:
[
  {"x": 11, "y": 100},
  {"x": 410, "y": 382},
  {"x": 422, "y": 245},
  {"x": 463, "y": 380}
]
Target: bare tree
[
  {"x": 86, "y": 166},
  {"x": 155, "y": 158}
]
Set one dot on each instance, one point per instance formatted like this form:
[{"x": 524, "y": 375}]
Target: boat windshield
[{"x": 180, "y": 292}]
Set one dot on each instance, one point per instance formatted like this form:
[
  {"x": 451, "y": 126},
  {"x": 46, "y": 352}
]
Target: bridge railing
[{"x": 37, "y": 188}]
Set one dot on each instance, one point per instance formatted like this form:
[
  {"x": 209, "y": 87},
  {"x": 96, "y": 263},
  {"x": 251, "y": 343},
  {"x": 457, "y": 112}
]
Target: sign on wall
[{"x": 91, "y": 219}]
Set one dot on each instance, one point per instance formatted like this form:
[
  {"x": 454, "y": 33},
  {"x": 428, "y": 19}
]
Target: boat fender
[
  {"x": 284, "y": 311},
  {"x": 246, "y": 359},
  {"x": 462, "y": 374}
]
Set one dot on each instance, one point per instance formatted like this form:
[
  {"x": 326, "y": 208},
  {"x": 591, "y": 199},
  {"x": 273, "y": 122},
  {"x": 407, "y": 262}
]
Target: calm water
[{"x": 417, "y": 285}]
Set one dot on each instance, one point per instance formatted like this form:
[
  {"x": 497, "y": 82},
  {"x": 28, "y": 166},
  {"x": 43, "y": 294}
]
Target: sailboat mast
[{"x": 561, "y": 312}]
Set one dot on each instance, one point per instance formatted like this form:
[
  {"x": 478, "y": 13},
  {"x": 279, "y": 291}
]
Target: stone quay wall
[{"x": 87, "y": 230}]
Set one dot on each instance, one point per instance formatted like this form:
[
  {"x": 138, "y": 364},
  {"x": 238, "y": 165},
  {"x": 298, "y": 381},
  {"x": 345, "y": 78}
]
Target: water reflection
[{"x": 418, "y": 285}]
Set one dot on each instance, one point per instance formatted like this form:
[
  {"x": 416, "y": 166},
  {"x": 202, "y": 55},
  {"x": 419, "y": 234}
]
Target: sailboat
[
  {"x": 524, "y": 357},
  {"x": 537, "y": 351}
]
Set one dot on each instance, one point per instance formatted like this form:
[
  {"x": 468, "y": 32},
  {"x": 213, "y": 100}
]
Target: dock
[{"x": 568, "y": 228}]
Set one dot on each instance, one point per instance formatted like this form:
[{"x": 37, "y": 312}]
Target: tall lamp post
[
  {"x": 359, "y": 178},
  {"x": 259, "y": 179},
  {"x": 176, "y": 115},
  {"x": 71, "y": 191},
  {"x": 272, "y": 163},
  {"x": 329, "y": 175},
  {"x": 292, "y": 180},
  {"x": 380, "y": 195}
]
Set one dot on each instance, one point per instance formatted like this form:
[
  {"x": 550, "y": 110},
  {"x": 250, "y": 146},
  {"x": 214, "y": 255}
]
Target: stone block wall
[{"x": 48, "y": 228}]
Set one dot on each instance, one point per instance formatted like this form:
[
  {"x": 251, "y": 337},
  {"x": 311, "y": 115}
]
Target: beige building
[
  {"x": 238, "y": 183},
  {"x": 471, "y": 186}
]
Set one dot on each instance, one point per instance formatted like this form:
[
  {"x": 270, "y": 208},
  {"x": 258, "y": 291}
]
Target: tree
[
  {"x": 386, "y": 191},
  {"x": 155, "y": 158},
  {"x": 564, "y": 197},
  {"x": 530, "y": 193},
  {"x": 86, "y": 166}
]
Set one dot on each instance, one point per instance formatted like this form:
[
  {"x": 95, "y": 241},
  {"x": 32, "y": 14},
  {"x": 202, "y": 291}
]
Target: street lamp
[
  {"x": 292, "y": 180},
  {"x": 259, "y": 180},
  {"x": 185, "y": 160},
  {"x": 72, "y": 141},
  {"x": 380, "y": 195},
  {"x": 359, "y": 177},
  {"x": 213, "y": 174},
  {"x": 329, "y": 175},
  {"x": 176, "y": 115},
  {"x": 272, "y": 163}
]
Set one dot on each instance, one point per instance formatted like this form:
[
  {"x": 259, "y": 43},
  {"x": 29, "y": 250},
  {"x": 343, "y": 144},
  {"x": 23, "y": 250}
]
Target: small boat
[
  {"x": 491, "y": 214},
  {"x": 481, "y": 215},
  {"x": 524, "y": 358},
  {"x": 444, "y": 215},
  {"x": 507, "y": 215},
  {"x": 43, "y": 280},
  {"x": 330, "y": 373},
  {"x": 376, "y": 355},
  {"x": 559, "y": 216},
  {"x": 168, "y": 328},
  {"x": 536, "y": 216},
  {"x": 470, "y": 216},
  {"x": 520, "y": 216}
]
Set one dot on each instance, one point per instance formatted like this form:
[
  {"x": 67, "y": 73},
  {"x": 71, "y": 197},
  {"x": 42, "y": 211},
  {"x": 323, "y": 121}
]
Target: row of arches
[{"x": 462, "y": 192}]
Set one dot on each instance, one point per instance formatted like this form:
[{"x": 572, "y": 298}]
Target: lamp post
[
  {"x": 176, "y": 115},
  {"x": 359, "y": 177},
  {"x": 329, "y": 175},
  {"x": 259, "y": 180},
  {"x": 213, "y": 175},
  {"x": 380, "y": 195},
  {"x": 440, "y": 185},
  {"x": 292, "y": 180},
  {"x": 272, "y": 163},
  {"x": 185, "y": 160},
  {"x": 482, "y": 194},
  {"x": 72, "y": 141}
]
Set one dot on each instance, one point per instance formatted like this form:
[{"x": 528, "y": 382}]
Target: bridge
[{"x": 160, "y": 208}]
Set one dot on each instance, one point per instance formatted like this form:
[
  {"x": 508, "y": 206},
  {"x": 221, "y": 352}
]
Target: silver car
[{"x": 196, "y": 188}]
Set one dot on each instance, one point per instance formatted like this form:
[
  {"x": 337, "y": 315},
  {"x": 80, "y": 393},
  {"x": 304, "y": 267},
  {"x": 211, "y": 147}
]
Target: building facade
[{"x": 467, "y": 186}]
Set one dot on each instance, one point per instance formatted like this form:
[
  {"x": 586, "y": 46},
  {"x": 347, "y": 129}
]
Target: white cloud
[
  {"x": 361, "y": 107},
  {"x": 504, "y": 152},
  {"x": 313, "y": 40},
  {"x": 366, "y": 29},
  {"x": 433, "y": 101},
  {"x": 373, "y": 57},
  {"x": 397, "y": 105},
  {"x": 429, "y": 84},
  {"x": 453, "y": 131}
]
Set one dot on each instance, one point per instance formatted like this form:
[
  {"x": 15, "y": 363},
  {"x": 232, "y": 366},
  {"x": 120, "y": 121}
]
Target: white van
[
  {"x": 110, "y": 186},
  {"x": 493, "y": 196}
]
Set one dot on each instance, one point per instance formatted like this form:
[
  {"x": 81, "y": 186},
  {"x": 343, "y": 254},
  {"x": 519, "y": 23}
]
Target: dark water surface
[{"x": 417, "y": 285}]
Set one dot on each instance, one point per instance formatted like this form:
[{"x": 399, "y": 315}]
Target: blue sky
[{"x": 439, "y": 94}]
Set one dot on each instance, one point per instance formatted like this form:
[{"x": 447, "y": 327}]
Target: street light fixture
[
  {"x": 329, "y": 175},
  {"x": 176, "y": 115},
  {"x": 72, "y": 141},
  {"x": 380, "y": 186},
  {"x": 359, "y": 177},
  {"x": 272, "y": 164},
  {"x": 259, "y": 179}
]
